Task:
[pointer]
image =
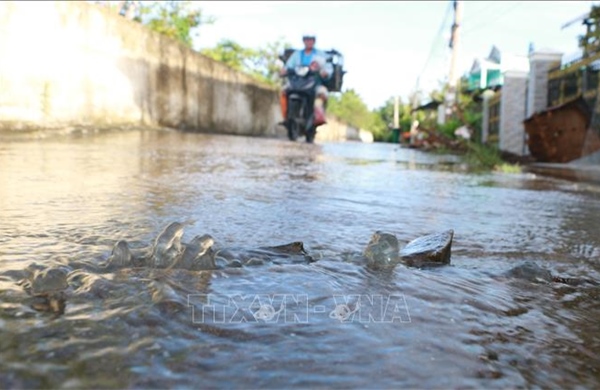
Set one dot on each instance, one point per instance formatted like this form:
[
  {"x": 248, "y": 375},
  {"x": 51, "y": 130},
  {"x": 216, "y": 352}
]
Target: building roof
[
  {"x": 507, "y": 62},
  {"x": 495, "y": 55},
  {"x": 478, "y": 63},
  {"x": 488, "y": 72},
  {"x": 497, "y": 60},
  {"x": 432, "y": 105}
]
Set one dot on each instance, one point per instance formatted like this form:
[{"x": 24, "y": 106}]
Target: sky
[{"x": 392, "y": 47}]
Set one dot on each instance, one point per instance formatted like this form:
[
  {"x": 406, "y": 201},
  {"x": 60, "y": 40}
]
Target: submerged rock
[
  {"x": 428, "y": 251},
  {"x": 287, "y": 253},
  {"x": 291, "y": 253},
  {"x": 530, "y": 271},
  {"x": 294, "y": 248},
  {"x": 382, "y": 251},
  {"x": 49, "y": 281},
  {"x": 47, "y": 288}
]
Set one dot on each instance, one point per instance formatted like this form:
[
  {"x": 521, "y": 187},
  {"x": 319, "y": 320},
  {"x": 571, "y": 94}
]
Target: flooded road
[{"x": 330, "y": 322}]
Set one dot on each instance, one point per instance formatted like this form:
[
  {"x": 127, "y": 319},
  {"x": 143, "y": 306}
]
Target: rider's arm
[
  {"x": 293, "y": 61},
  {"x": 328, "y": 66}
]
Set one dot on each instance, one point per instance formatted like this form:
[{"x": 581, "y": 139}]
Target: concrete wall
[
  {"x": 512, "y": 113},
  {"x": 76, "y": 63}
]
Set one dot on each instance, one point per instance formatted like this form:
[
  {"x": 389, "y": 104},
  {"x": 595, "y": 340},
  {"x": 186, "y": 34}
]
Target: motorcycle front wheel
[
  {"x": 310, "y": 134},
  {"x": 293, "y": 129}
]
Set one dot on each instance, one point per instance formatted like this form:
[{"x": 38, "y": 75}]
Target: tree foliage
[
  {"x": 266, "y": 64},
  {"x": 181, "y": 20},
  {"x": 261, "y": 63},
  {"x": 231, "y": 54},
  {"x": 176, "y": 19},
  {"x": 350, "y": 108},
  {"x": 386, "y": 113}
]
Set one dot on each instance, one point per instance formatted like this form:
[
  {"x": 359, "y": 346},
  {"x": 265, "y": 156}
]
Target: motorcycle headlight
[{"x": 302, "y": 71}]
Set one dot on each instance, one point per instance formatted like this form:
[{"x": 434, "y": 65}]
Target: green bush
[{"x": 449, "y": 127}]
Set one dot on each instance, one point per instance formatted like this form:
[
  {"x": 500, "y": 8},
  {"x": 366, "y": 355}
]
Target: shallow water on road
[{"x": 333, "y": 322}]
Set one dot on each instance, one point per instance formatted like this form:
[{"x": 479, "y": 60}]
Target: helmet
[{"x": 309, "y": 35}]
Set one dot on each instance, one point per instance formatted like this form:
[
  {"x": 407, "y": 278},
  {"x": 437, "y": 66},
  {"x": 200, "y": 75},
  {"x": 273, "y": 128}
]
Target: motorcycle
[{"x": 299, "y": 119}]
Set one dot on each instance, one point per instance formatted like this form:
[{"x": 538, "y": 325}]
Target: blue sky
[{"x": 386, "y": 44}]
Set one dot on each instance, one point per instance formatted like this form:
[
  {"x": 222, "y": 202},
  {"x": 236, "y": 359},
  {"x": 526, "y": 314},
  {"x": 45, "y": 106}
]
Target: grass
[
  {"x": 479, "y": 157},
  {"x": 486, "y": 158},
  {"x": 508, "y": 168}
]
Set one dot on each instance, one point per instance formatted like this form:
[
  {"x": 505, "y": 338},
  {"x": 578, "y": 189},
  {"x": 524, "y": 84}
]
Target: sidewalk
[{"x": 585, "y": 169}]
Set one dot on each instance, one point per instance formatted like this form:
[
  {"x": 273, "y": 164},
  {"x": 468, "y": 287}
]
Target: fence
[{"x": 577, "y": 78}]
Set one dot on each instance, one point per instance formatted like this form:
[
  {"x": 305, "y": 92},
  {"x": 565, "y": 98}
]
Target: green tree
[
  {"x": 266, "y": 64},
  {"x": 262, "y": 63},
  {"x": 176, "y": 19},
  {"x": 385, "y": 114},
  {"x": 350, "y": 108},
  {"x": 468, "y": 111},
  {"x": 232, "y": 54},
  {"x": 471, "y": 109}
]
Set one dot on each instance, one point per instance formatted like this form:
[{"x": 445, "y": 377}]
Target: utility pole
[
  {"x": 451, "y": 96},
  {"x": 396, "y": 112},
  {"x": 414, "y": 124},
  {"x": 396, "y": 123},
  {"x": 414, "y": 103}
]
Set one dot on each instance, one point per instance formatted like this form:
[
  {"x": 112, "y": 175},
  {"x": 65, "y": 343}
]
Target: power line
[
  {"x": 485, "y": 13},
  {"x": 436, "y": 40},
  {"x": 499, "y": 16}
]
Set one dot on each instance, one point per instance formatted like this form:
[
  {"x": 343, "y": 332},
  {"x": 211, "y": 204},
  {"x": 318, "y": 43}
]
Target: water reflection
[{"x": 70, "y": 199}]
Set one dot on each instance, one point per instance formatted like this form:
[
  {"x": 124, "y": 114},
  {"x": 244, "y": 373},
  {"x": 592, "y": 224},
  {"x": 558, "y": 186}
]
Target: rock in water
[
  {"x": 292, "y": 253},
  {"x": 281, "y": 254},
  {"x": 47, "y": 288},
  {"x": 382, "y": 251},
  {"x": 294, "y": 248},
  {"x": 49, "y": 281},
  {"x": 167, "y": 247},
  {"x": 428, "y": 251},
  {"x": 531, "y": 271},
  {"x": 198, "y": 254}
]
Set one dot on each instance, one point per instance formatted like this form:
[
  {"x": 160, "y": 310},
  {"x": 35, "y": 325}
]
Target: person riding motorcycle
[{"x": 316, "y": 60}]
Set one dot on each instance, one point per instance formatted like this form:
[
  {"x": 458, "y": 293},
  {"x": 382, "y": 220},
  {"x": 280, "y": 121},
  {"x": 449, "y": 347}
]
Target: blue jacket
[{"x": 299, "y": 58}]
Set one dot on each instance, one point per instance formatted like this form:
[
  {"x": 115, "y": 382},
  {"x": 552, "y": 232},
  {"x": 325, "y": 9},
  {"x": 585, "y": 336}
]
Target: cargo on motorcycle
[{"x": 311, "y": 74}]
